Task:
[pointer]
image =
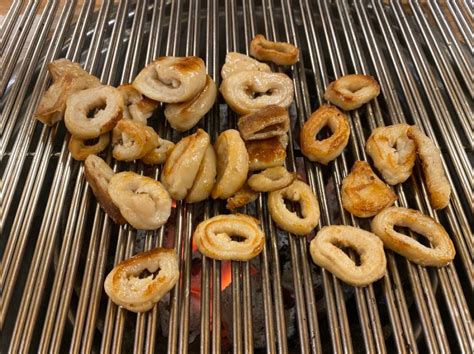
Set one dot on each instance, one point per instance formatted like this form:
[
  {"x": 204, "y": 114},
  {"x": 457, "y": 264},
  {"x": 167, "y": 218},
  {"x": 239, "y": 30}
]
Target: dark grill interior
[{"x": 57, "y": 245}]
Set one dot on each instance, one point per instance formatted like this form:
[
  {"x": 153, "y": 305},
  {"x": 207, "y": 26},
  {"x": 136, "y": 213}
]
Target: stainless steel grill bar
[
  {"x": 342, "y": 317},
  {"x": 451, "y": 42},
  {"x": 122, "y": 252},
  {"x": 14, "y": 47},
  {"x": 242, "y": 342},
  {"x": 453, "y": 86},
  {"x": 82, "y": 319},
  {"x": 41, "y": 173},
  {"x": 16, "y": 97},
  {"x": 290, "y": 33},
  {"x": 314, "y": 50},
  {"x": 9, "y": 23},
  {"x": 131, "y": 65},
  {"x": 172, "y": 49},
  {"x": 153, "y": 46},
  {"x": 27, "y": 69},
  {"x": 64, "y": 280},
  {"x": 43, "y": 255},
  {"x": 361, "y": 66},
  {"x": 15, "y": 244},
  {"x": 213, "y": 125},
  {"x": 131, "y": 62},
  {"x": 270, "y": 232},
  {"x": 412, "y": 309},
  {"x": 361, "y": 304},
  {"x": 463, "y": 27},
  {"x": 111, "y": 311},
  {"x": 216, "y": 307}
]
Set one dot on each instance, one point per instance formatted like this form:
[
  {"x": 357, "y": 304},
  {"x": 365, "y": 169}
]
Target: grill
[{"x": 57, "y": 245}]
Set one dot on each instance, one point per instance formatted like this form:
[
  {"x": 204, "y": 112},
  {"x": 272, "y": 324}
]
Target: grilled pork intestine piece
[
  {"x": 80, "y": 148},
  {"x": 182, "y": 166},
  {"x": 352, "y": 91},
  {"x": 271, "y": 179},
  {"x": 265, "y": 123},
  {"x": 159, "y": 154},
  {"x": 98, "y": 175},
  {"x": 172, "y": 79},
  {"x": 430, "y": 156},
  {"x": 93, "y": 112},
  {"x": 183, "y": 116},
  {"x": 133, "y": 140},
  {"x": 281, "y": 53},
  {"x": 213, "y": 237},
  {"x": 328, "y": 149},
  {"x": 126, "y": 286},
  {"x": 143, "y": 202},
  {"x": 205, "y": 178},
  {"x": 250, "y": 91},
  {"x": 326, "y": 252},
  {"x": 392, "y": 152},
  {"x": 287, "y": 220},
  {"x": 363, "y": 193},
  {"x": 237, "y": 62},
  {"x": 267, "y": 153},
  {"x": 439, "y": 254},
  {"x": 136, "y": 106},
  {"x": 244, "y": 196},
  {"x": 68, "y": 77},
  {"x": 232, "y": 164}
]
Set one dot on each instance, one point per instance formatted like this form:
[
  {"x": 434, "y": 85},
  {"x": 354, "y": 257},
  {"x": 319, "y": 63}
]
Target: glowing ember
[{"x": 226, "y": 274}]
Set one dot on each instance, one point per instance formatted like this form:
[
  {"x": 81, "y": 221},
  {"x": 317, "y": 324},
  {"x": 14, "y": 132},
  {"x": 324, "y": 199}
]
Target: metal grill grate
[{"x": 57, "y": 244}]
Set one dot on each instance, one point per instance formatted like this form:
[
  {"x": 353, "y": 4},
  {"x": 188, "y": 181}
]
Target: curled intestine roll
[
  {"x": 352, "y": 91},
  {"x": 442, "y": 251},
  {"x": 281, "y": 53},
  {"x": 182, "y": 166},
  {"x": 172, "y": 79},
  {"x": 326, "y": 252},
  {"x": 213, "y": 237},
  {"x": 392, "y": 152},
  {"x": 143, "y": 202},
  {"x": 232, "y": 164},
  {"x": 250, "y": 91},
  {"x": 105, "y": 103},
  {"x": 126, "y": 286},
  {"x": 185, "y": 115},
  {"x": 133, "y": 140},
  {"x": 289, "y": 221}
]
